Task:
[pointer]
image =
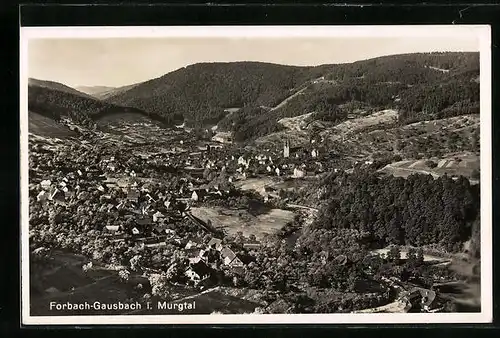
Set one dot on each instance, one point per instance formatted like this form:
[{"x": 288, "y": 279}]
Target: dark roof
[
  {"x": 200, "y": 268},
  {"x": 144, "y": 220},
  {"x": 214, "y": 242},
  {"x": 429, "y": 294},
  {"x": 133, "y": 194}
]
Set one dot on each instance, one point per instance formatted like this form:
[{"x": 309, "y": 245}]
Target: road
[{"x": 404, "y": 254}]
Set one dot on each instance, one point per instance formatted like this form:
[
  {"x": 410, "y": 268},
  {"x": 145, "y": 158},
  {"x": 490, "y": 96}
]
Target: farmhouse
[
  {"x": 158, "y": 216},
  {"x": 113, "y": 228},
  {"x": 198, "y": 271},
  {"x": 215, "y": 243},
  {"x": 229, "y": 258},
  {"x": 191, "y": 245}
]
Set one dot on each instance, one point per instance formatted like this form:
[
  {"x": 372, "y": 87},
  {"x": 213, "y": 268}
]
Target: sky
[{"x": 122, "y": 61}]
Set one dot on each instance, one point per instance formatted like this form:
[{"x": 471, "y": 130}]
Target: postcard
[{"x": 256, "y": 175}]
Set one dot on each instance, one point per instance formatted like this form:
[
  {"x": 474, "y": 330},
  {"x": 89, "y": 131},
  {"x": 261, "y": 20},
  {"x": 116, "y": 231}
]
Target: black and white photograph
[{"x": 257, "y": 174}]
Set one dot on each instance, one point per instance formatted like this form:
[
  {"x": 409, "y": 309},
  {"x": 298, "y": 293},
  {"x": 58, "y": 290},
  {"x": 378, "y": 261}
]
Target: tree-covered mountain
[
  {"x": 57, "y": 86},
  {"x": 199, "y": 93},
  {"x": 420, "y": 86},
  {"x": 55, "y": 104}
]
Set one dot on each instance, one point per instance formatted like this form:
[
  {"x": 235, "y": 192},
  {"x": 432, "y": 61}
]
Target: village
[
  {"x": 195, "y": 210},
  {"x": 143, "y": 194}
]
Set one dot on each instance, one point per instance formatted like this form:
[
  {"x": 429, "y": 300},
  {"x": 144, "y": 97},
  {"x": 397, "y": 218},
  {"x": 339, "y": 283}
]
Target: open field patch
[
  {"x": 257, "y": 184},
  {"x": 44, "y": 126},
  {"x": 349, "y": 126},
  {"x": 233, "y": 221},
  {"x": 464, "y": 164},
  {"x": 295, "y": 123}
]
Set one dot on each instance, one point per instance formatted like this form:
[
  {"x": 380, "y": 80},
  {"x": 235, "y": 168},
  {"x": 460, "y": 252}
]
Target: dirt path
[
  {"x": 394, "y": 307},
  {"x": 404, "y": 255},
  {"x": 412, "y": 171},
  {"x": 285, "y": 101}
]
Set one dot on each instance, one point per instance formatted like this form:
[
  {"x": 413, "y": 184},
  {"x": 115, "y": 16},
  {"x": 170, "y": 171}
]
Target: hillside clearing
[
  {"x": 464, "y": 164},
  {"x": 350, "y": 126},
  {"x": 45, "y": 126}
]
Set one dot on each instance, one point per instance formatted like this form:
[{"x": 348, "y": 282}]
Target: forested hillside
[
  {"x": 415, "y": 211},
  {"x": 420, "y": 86},
  {"x": 57, "y": 86},
  {"x": 201, "y": 92},
  {"x": 55, "y": 104}
]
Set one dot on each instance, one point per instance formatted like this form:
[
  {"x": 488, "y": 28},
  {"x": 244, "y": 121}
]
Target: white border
[{"x": 481, "y": 32}]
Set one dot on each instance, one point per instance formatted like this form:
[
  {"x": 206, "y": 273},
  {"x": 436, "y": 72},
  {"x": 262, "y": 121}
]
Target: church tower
[{"x": 286, "y": 149}]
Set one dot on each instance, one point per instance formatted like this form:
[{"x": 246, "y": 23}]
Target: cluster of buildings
[{"x": 142, "y": 195}]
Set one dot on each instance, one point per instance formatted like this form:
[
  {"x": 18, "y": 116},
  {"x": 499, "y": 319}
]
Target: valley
[{"x": 352, "y": 194}]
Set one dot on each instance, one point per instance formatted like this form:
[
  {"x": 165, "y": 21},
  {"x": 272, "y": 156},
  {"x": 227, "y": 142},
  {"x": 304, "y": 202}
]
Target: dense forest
[
  {"x": 201, "y": 92},
  {"x": 415, "y": 211},
  {"x": 420, "y": 86},
  {"x": 55, "y": 104}
]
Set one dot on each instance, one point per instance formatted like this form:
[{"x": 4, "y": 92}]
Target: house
[
  {"x": 157, "y": 231},
  {"x": 241, "y": 161},
  {"x": 113, "y": 228},
  {"x": 133, "y": 195},
  {"x": 192, "y": 244},
  {"x": 195, "y": 258},
  {"x": 252, "y": 246},
  {"x": 198, "y": 271},
  {"x": 156, "y": 244},
  {"x": 215, "y": 243},
  {"x": 229, "y": 258},
  {"x": 150, "y": 199},
  {"x": 236, "y": 263},
  {"x": 170, "y": 232},
  {"x": 314, "y": 153},
  {"x": 42, "y": 196},
  {"x": 135, "y": 231},
  {"x": 144, "y": 220},
  {"x": 194, "y": 196},
  {"x": 158, "y": 216},
  {"x": 423, "y": 298},
  {"x": 45, "y": 184},
  {"x": 57, "y": 196},
  {"x": 298, "y": 173}
]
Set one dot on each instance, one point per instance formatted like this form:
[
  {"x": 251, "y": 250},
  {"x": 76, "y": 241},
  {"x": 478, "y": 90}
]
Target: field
[
  {"x": 62, "y": 279},
  {"x": 295, "y": 123},
  {"x": 44, "y": 126},
  {"x": 257, "y": 184},
  {"x": 461, "y": 164},
  {"x": 122, "y": 117},
  {"x": 351, "y": 126},
  {"x": 234, "y": 221}
]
